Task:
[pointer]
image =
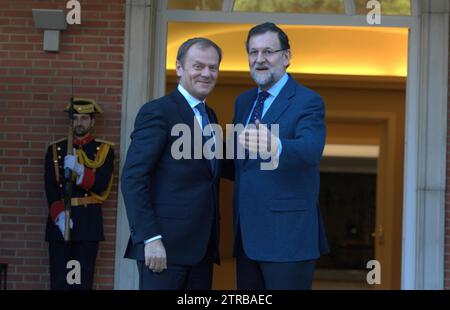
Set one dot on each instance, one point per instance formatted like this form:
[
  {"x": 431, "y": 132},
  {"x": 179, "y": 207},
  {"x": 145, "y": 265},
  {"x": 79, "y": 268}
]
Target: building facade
[{"x": 117, "y": 55}]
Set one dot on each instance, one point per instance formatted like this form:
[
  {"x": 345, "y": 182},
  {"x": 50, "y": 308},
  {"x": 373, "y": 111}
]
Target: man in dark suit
[
  {"x": 172, "y": 200},
  {"x": 277, "y": 225},
  {"x": 92, "y": 166}
]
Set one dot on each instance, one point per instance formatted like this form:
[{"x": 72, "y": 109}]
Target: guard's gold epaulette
[
  {"x": 104, "y": 141},
  {"x": 57, "y": 141}
]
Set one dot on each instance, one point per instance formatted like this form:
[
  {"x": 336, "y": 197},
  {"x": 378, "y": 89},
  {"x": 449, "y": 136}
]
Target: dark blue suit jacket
[
  {"x": 177, "y": 199},
  {"x": 277, "y": 209}
]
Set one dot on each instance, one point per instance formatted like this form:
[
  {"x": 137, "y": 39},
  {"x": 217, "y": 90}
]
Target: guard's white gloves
[
  {"x": 71, "y": 162},
  {"x": 61, "y": 220}
]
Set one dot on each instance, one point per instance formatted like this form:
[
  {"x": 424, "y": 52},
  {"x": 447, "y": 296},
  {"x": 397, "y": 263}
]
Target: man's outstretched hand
[{"x": 259, "y": 140}]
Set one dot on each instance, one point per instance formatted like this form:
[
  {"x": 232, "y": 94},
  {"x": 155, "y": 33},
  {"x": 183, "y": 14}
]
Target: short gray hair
[{"x": 203, "y": 44}]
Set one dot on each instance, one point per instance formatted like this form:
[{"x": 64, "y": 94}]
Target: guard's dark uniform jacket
[{"x": 97, "y": 156}]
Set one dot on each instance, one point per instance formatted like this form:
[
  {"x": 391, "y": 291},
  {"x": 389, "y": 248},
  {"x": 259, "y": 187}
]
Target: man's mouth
[
  {"x": 206, "y": 83},
  {"x": 261, "y": 69}
]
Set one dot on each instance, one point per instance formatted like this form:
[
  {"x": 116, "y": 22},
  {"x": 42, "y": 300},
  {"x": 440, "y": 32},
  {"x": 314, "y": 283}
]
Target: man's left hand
[{"x": 71, "y": 162}]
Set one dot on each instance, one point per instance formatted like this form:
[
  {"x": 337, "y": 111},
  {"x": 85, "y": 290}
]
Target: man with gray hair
[
  {"x": 172, "y": 202},
  {"x": 277, "y": 225}
]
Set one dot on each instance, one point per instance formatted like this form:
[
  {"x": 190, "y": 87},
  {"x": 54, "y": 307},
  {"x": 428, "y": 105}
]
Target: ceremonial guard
[{"x": 78, "y": 179}]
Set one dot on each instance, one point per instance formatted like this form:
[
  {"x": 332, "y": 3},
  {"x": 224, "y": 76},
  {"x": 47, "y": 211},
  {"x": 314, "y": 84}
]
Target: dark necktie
[
  {"x": 258, "y": 110},
  {"x": 205, "y": 122},
  {"x": 202, "y": 109}
]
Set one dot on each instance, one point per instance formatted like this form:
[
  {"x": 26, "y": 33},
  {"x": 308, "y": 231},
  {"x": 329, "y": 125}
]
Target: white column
[
  {"x": 139, "y": 85},
  {"x": 425, "y": 152}
]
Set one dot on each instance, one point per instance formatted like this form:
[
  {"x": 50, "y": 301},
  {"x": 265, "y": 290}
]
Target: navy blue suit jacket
[
  {"x": 277, "y": 209},
  {"x": 177, "y": 199}
]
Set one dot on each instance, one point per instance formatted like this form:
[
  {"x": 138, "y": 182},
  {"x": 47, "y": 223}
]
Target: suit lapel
[
  {"x": 184, "y": 109},
  {"x": 242, "y": 116},
  {"x": 247, "y": 104},
  {"x": 277, "y": 108},
  {"x": 189, "y": 119},
  {"x": 218, "y": 140},
  {"x": 280, "y": 103}
]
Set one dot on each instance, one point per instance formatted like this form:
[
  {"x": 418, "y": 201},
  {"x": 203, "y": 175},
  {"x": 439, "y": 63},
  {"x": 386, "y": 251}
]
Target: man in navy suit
[
  {"x": 277, "y": 224},
  {"x": 172, "y": 202}
]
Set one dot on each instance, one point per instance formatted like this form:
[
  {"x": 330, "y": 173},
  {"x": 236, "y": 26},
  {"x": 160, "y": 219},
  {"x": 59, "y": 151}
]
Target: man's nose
[
  {"x": 260, "y": 58},
  {"x": 206, "y": 71}
]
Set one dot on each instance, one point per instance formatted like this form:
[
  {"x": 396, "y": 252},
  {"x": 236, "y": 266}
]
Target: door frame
[
  {"x": 423, "y": 235},
  {"x": 386, "y": 214}
]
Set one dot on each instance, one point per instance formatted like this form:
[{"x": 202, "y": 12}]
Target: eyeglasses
[{"x": 265, "y": 53}]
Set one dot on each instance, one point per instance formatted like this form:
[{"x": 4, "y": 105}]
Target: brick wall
[{"x": 35, "y": 86}]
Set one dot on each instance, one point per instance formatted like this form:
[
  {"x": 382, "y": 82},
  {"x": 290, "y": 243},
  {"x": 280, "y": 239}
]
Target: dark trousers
[
  {"x": 60, "y": 253},
  {"x": 176, "y": 277},
  {"x": 259, "y": 275},
  {"x": 180, "y": 277}
]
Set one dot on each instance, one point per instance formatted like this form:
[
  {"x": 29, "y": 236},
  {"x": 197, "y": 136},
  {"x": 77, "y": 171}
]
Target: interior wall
[{"x": 314, "y": 49}]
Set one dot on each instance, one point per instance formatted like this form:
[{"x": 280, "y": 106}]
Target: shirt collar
[
  {"x": 192, "y": 101},
  {"x": 278, "y": 86},
  {"x": 80, "y": 142}
]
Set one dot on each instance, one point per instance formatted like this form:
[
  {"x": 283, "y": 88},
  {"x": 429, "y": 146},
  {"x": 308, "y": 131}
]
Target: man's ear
[
  {"x": 287, "y": 58},
  {"x": 179, "y": 68},
  {"x": 92, "y": 121}
]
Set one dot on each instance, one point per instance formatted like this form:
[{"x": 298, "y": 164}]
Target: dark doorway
[{"x": 347, "y": 203}]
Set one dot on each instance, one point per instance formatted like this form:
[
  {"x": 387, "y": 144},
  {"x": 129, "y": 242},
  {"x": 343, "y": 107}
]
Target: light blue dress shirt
[
  {"x": 273, "y": 93},
  {"x": 192, "y": 101}
]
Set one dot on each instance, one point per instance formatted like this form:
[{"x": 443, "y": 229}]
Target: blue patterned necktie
[
  {"x": 257, "y": 113},
  {"x": 258, "y": 110},
  {"x": 201, "y": 108}
]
